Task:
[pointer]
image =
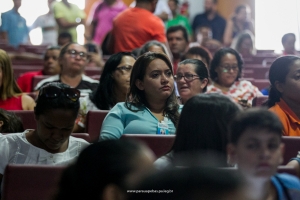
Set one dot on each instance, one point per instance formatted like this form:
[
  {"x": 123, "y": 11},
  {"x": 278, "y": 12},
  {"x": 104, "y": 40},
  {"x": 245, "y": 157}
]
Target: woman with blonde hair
[{"x": 11, "y": 97}]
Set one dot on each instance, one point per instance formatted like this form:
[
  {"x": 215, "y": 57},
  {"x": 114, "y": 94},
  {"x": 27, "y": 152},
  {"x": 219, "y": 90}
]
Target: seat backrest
[
  {"x": 94, "y": 120},
  {"x": 91, "y": 71},
  {"x": 292, "y": 146},
  {"x": 36, "y": 80},
  {"x": 19, "y": 70},
  {"x": 261, "y": 83},
  {"x": 258, "y": 101},
  {"x": 27, "y": 117},
  {"x": 84, "y": 136},
  {"x": 159, "y": 144},
  {"x": 34, "y": 182}
]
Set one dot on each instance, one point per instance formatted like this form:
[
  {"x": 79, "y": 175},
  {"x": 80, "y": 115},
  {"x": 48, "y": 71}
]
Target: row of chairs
[{"x": 36, "y": 182}]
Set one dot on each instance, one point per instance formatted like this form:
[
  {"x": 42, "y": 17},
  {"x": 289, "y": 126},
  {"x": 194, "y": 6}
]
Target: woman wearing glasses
[
  {"x": 50, "y": 144},
  {"x": 72, "y": 60},
  {"x": 191, "y": 78},
  {"x": 225, "y": 72},
  {"x": 11, "y": 97},
  {"x": 113, "y": 87},
  {"x": 151, "y": 106}
]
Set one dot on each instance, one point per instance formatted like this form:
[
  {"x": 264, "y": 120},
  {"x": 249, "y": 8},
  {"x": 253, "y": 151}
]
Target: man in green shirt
[{"x": 177, "y": 18}]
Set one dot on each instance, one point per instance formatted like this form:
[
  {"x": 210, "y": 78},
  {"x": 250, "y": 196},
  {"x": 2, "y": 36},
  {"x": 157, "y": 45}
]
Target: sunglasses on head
[{"x": 54, "y": 91}]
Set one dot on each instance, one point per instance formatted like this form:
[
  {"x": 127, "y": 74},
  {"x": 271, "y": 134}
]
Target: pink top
[
  {"x": 13, "y": 103},
  {"x": 104, "y": 18}
]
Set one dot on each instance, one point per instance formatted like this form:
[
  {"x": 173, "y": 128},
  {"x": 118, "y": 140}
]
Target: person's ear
[
  {"x": 112, "y": 192},
  {"x": 231, "y": 154},
  {"x": 204, "y": 83},
  {"x": 1, "y": 124},
  {"x": 278, "y": 86},
  {"x": 282, "y": 150},
  {"x": 139, "y": 84}
]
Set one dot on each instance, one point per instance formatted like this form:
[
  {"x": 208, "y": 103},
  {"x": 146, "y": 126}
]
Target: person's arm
[
  {"x": 295, "y": 163},
  {"x": 112, "y": 127},
  {"x": 65, "y": 24},
  {"x": 27, "y": 102},
  {"x": 227, "y": 39}
]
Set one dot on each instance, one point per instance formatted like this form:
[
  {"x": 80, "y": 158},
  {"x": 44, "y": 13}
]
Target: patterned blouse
[{"x": 239, "y": 90}]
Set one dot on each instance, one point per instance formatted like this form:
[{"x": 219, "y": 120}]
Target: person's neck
[
  {"x": 16, "y": 9},
  {"x": 211, "y": 15},
  {"x": 294, "y": 106},
  {"x": 71, "y": 80},
  {"x": 222, "y": 87},
  {"x": 157, "y": 106},
  {"x": 145, "y": 6},
  {"x": 110, "y": 3},
  {"x": 66, "y": 3},
  {"x": 264, "y": 189},
  {"x": 174, "y": 13},
  {"x": 120, "y": 96},
  {"x": 176, "y": 56}
]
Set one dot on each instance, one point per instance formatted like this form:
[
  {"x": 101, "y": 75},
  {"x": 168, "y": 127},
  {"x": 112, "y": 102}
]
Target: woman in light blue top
[{"x": 151, "y": 106}]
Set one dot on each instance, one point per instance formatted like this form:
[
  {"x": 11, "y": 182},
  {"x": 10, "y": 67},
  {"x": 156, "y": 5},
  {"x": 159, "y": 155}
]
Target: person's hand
[
  {"x": 164, "y": 16},
  {"x": 96, "y": 59},
  {"x": 244, "y": 103}
]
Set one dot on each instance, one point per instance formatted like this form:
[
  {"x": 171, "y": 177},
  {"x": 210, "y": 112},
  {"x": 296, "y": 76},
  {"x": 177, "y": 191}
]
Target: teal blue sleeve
[{"x": 113, "y": 126}]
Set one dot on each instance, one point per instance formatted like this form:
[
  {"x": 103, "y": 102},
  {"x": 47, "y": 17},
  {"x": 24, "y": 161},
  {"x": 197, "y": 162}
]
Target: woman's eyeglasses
[
  {"x": 187, "y": 77},
  {"x": 74, "y": 53},
  {"x": 53, "y": 91},
  {"x": 227, "y": 69}
]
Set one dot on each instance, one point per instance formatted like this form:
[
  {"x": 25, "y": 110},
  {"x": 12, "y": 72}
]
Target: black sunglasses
[{"x": 53, "y": 91}]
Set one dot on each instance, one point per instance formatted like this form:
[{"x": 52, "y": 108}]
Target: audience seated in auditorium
[
  {"x": 243, "y": 43},
  {"x": 256, "y": 147},
  {"x": 64, "y": 38},
  {"x": 288, "y": 42},
  {"x": 225, "y": 72},
  {"x": 284, "y": 97},
  {"x": 11, "y": 95},
  {"x": 238, "y": 23},
  {"x": 202, "y": 128},
  {"x": 178, "y": 41},
  {"x": 68, "y": 16},
  {"x": 10, "y": 122},
  {"x": 129, "y": 24},
  {"x": 151, "y": 105},
  {"x": 51, "y": 67},
  {"x": 100, "y": 21},
  {"x": 106, "y": 170},
  {"x": 94, "y": 56},
  {"x": 212, "y": 19},
  {"x": 13, "y": 29},
  {"x": 72, "y": 60},
  {"x": 191, "y": 78},
  {"x": 50, "y": 144},
  {"x": 192, "y": 183},
  {"x": 112, "y": 89},
  {"x": 177, "y": 18},
  {"x": 48, "y": 25},
  {"x": 200, "y": 53}
]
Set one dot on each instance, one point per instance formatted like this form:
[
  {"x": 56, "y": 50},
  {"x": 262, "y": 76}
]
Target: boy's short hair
[{"x": 255, "y": 118}]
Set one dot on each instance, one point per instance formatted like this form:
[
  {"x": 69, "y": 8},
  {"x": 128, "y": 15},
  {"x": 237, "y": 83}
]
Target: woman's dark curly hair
[
  {"x": 103, "y": 97},
  {"x": 215, "y": 63},
  {"x": 136, "y": 97}
]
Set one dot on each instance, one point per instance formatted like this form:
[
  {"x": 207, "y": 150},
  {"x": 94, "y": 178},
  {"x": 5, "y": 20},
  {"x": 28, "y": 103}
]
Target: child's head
[
  {"x": 10, "y": 122},
  {"x": 255, "y": 143}
]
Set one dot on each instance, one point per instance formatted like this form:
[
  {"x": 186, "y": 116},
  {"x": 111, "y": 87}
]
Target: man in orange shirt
[{"x": 136, "y": 26}]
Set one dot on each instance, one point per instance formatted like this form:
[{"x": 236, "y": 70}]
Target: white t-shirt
[{"x": 15, "y": 149}]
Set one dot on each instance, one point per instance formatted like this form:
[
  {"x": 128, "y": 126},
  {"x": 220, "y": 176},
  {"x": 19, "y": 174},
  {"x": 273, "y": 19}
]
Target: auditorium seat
[
  {"x": 34, "y": 62},
  {"x": 27, "y": 117},
  {"x": 292, "y": 146},
  {"x": 261, "y": 83},
  {"x": 84, "y": 136},
  {"x": 159, "y": 144},
  {"x": 94, "y": 121},
  {"x": 91, "y": 71},
  {"x": 21, "y": 69},
  {"x": 37, "y": 79},
  {"x": 258, "y": 101},
  {"x": 34, "y": 182}
]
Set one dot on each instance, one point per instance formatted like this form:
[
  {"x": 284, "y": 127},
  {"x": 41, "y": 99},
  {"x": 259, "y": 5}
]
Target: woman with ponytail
[{"x": 284, "y": 96}]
